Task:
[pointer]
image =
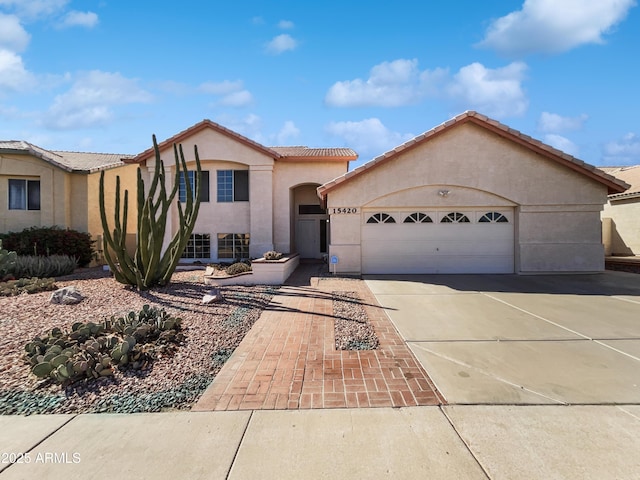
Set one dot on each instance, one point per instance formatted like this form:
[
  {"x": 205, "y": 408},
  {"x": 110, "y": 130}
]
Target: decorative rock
[
  {"x": 66, "y": 296},
  {"x": 209, "y": 271},
  {"x": 212, "y": 296}
]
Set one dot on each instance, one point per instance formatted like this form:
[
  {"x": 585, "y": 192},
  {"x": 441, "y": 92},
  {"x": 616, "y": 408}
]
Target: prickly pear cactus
[{"x": 7, "y": 261}]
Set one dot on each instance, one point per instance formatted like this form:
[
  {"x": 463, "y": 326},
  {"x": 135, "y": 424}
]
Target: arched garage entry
[{"x": 460, "y": 230}]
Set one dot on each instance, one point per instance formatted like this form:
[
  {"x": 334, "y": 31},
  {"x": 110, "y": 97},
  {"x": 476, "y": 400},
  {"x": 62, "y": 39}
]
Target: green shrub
[
  {"x": 237, "y": 268},
  {"x": 272, "y": 255},
  {"x": 46, "y": 241},
  {"x": 26, "y": 285},
  {"x": 53, "y": 266},
  {"x": 91, "y": 350}
]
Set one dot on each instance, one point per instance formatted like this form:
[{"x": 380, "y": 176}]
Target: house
[
  {"x": 621, "y": 214},
  {"x": 43, "y": 188},
  {"x": 469, "y": 196},
  {"x": 254, "y": 198}
]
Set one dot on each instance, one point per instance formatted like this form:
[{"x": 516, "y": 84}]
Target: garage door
[{"x": 430, "y": 241}]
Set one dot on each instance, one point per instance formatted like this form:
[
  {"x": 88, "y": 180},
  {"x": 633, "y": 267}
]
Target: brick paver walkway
[{"x": 288, "y": 360}]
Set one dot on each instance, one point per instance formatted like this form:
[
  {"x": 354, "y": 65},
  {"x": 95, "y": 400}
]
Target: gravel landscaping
[
  {"x": 352, "y": 328},
  {"x": 172, "y": 382}
]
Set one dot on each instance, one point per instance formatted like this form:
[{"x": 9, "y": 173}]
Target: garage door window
[
  {"x": 381, "y": 218},
  {"x": 418, "y": 217},
  {"x": 455, "y": 217},
  {"x": 493, "y": 217}
]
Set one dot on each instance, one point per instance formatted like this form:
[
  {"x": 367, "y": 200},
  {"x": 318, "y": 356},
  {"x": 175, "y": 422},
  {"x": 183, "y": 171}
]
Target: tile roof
[
  {"x": 614, "y": 185},
  {"x": 278, "y": 153},
  {"x": 629, "y": 174},
  {"x": 84, "y": 162},
  {"x": 303, "y": 152}
]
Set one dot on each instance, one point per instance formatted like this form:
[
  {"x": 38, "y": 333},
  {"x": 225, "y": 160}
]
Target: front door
[{"x": 307, "y": 241}]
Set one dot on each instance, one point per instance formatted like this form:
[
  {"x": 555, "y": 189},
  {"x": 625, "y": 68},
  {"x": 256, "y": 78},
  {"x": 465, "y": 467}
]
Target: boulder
[
  {"x": 212, "y": 296},
  {"x": 66, "y": 296}
]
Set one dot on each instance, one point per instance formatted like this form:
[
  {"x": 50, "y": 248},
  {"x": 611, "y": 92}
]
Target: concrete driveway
[{"x": 507, "y": 339}]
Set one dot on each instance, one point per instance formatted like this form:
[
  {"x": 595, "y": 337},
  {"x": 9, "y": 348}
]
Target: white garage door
[{"x": 429, "y": 241}]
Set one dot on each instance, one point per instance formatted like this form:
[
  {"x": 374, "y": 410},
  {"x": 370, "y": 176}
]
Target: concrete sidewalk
[{"x": 449, "y": 442}]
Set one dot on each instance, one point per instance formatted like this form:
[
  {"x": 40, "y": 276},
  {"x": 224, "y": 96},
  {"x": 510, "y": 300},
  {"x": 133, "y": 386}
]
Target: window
[
  {"x": 191, "y": 175},
  {"x": 493, "y": 217},
  {"x": 24, "y": 194},
  {"x": 198, "y": 246},
  {"x": 455, "y": 217},
  {"x": 233, "y": 185},
  {"x": 311, "y": 210},
  {"x": 381, "y": 218},
  {"x": 418, "y": 218},
  {"x": 233, "y": 245}
]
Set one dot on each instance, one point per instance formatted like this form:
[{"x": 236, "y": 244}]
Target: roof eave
[{"x": 198, "y": 127}]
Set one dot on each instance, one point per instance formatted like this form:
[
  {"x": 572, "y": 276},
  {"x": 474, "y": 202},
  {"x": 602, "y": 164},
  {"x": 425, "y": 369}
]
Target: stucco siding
[
  {"x": 556, "y": 209},
  {"x": 623, "y": 232},
  {"x": 286, "y": 176},
  {"x": 54, "y": 192}
]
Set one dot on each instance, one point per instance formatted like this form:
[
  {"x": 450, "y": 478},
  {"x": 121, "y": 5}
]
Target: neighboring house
[
  {"x": 42, "y": 188},
  {"x": 469, "y": 196},
  {"x": 254, "y": 198},
  {"x": 621, "y": 215}
]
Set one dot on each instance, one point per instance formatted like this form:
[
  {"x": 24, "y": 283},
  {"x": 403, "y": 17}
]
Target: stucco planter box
[{"x": 264, "y": 272}]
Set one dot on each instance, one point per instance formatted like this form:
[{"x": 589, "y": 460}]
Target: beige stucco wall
[
  {"x": 621, "y": 219},
  {"x": 288, "y": 176},
  {"x": 55, "y": 191},
  {"x": 557, "y": 225},
  {"x": 128, "y": 182},
  {"x": 267, "y": 214}
]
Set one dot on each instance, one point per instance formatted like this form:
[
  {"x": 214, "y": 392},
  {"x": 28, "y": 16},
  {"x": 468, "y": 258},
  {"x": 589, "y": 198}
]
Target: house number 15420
[{"x": 344, "y": 210}]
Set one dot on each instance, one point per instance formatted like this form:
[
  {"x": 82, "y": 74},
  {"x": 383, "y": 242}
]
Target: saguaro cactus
[{"x": 151, "y": 265}]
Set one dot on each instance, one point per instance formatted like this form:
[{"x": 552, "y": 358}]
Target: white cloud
[
  {"x": 625, "y": 151},
  {"x": 12, "y": 35},
  {"x": 551, "y": 26},
  {"x": 79, "y": 19},
  {"x": 241, "y": 98},
  {"x": 250, "y": 125},
  {"x": 285, "y": 24},
  {"x": 32, "y": 9},
  {"x": 90, "y": 100},
  {"x": 14, "y": 77},
  {"x": 232, "y": 92},
  {"x": 494, "y": 92},
  {"x": 287, "y": 132},
  {"x": 221, "y": 88},
  {"x": 257, "y": 20},
  {"x": 281, "y": 44},
  {"x": 390, "y": 84},
  {"x": 554, "y": 123},
  {"x": 561, "y": 143},
  {"x": 367, "y": 137}
]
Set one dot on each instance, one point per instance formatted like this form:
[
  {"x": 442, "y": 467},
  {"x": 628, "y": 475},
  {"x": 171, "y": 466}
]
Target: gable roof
[
  {"x": 629, "y": 174},
  {"x": 278, "y": 153},
  {"x": 75, "y": 162},
  {"x": 613, "y": 184}
]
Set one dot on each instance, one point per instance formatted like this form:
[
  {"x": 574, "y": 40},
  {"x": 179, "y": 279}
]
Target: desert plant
[
  {"x": 52, "y": 266},
  {"x": 46, "y": 241},
  {"x": 7, "y": 261},
  {"x": 238, "y": 268},
  {"x": 26, "y": 285},
  {"x": 272, "y": 255},
  {"x": 92, "y": 350},
  {"x": 151, "y": 265}
]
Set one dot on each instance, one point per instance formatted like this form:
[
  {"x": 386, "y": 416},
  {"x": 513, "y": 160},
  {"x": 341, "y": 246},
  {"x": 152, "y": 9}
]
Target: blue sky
[{"x": 105, "y": 75}]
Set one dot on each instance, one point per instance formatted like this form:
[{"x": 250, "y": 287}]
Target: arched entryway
[{"x": 310, "y": 227}]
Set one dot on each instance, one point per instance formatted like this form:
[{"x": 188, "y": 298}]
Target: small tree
[{"x": 151, "y": 266}]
